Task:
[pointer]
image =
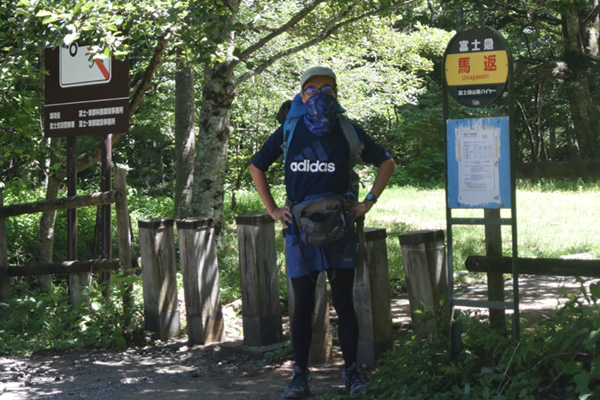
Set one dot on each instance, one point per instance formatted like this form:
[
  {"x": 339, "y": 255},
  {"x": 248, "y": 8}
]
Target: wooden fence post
[
  {"x": 425, "y": 268},
  {"x": 261, "y": 312},
  {"x": 4, "y": 280},
  {"x": 200, "y": 272},
  {"x": 321, "y": 346},
  {"x": 493, "y": 248},
  {"x": 124, "y": 235},
  {"x": 372, "y": 300},
  {"x": 157, "y": 247},
  {"x": 322, "y": 341}
]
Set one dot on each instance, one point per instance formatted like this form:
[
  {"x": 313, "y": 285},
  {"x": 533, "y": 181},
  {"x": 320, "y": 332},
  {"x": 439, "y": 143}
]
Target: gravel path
[{"x": 175, "y": 370}]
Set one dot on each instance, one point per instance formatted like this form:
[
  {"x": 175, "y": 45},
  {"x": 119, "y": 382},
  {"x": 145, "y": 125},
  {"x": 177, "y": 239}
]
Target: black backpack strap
[{"x": 356, "y": 146}]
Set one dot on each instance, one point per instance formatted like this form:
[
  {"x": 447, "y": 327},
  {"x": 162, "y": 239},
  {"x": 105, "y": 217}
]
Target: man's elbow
[{"x": 389, "y": 164}]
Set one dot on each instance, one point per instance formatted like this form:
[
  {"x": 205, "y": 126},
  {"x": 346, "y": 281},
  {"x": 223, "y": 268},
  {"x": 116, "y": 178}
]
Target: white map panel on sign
[
  {"x": 76, "y": 68},
  {"x": 477, "y": 153}
]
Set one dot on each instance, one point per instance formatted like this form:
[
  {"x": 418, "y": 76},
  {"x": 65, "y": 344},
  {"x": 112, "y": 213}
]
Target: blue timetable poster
[{"x": 478, "y": 159}]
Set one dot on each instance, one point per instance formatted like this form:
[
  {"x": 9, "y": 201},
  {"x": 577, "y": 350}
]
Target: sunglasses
[{"x": 325, "y": 89}]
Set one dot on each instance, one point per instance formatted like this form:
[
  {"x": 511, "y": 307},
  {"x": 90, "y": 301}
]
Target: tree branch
[
  {"x": 526, "y": 17},
  {"x": 591, "y": 16},
  {"x": 326, "y": 32},
  {"x": 282, "y": 29},
  {"x": 138, "y": 96}
]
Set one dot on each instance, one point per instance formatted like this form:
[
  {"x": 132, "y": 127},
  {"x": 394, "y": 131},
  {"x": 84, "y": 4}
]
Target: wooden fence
[
  {"x": 116, "y": 197},
  {"x": 535, "y": 266},
  {"x": 262, "y": 319}
]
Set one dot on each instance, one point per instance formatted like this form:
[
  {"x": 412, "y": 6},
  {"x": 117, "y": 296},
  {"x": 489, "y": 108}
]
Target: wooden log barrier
[
  {"x": 124, "y": 237},
  {"x": 495, "y": 280},
  {"x": 66, "y": 203},
  {"x": 66, "y": 267},
  {"x": 261, "y": 312},
  {"x": 200, "y": 270},
  {"x": 123, "y": 222},
  {"x": 372, "y": 300},
  {"x": 535, "y": 266},
  {"x": 425, "y": 268},
  {"x": 321, "y": 345},
  {"x": 157, "y": 247}
]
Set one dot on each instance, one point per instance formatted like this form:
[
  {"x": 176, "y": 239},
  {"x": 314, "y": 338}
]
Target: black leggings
[{"x": 342, "y": 285}]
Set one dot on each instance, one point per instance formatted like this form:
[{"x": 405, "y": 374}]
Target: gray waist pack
[{"x": 322, "y": 221}]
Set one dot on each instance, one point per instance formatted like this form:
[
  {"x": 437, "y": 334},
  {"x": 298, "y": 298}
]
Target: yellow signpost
[
  {"x": 480, "y": 162},
  {"x": 489, "y": 67}
]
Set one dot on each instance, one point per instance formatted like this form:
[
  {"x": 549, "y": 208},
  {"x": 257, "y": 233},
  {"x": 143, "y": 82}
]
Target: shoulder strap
[
  {"x": 288, "y": 132},
  {"x": 356, "y": 146}
]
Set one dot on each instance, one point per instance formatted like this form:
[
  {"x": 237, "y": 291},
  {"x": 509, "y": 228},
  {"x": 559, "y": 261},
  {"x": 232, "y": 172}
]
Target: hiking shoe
[
  {"x": 355, "y": 384},
  {"x": 298, "y": 387}
]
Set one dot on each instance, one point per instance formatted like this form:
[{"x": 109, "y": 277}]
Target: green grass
[{"x": 551, "y": 222}]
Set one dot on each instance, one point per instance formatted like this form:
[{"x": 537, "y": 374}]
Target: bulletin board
[{"x": 478, "y": 163}]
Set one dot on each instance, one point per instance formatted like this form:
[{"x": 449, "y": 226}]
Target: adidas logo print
[{"x": 315, "y": 166}]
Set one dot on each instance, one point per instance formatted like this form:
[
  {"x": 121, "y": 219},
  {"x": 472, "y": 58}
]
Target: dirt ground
[{"x": 226, "y": 370}]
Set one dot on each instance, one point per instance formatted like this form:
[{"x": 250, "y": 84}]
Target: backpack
[{"x": 356, "y": 147}]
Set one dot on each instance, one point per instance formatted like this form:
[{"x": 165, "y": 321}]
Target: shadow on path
[{"x": 176, "y": 371}]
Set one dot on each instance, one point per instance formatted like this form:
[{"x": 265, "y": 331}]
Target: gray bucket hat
[{"x": 316, "y": 71}]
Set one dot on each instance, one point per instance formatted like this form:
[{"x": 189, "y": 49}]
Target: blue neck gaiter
[{"x": 320, "y": 116}]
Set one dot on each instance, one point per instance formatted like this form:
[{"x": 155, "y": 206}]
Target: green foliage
[
  {"x": 22, "y": 231},
  {"x": 23, "y": 151},
  {"x": 418, "y": 140},
  {"x": 36, "y": 320},
  {"x": 147, "y": 153},
  {"x": 559, "y": 359}
]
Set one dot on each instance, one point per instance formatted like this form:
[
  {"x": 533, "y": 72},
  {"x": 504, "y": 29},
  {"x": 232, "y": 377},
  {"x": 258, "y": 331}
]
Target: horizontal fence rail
[
  {"x": 94, "y": 199},
  {"x": 99, "y": 265},
  {"x": 118, "y": 196},
  {"x": 535, "y": 266}
]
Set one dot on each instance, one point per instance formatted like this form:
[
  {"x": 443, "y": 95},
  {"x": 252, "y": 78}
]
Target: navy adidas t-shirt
[{"x": 316, "y": 164}]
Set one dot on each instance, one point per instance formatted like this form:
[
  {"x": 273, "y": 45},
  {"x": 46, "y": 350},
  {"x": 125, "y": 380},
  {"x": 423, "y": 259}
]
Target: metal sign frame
[{"x": 511, "y": 221}]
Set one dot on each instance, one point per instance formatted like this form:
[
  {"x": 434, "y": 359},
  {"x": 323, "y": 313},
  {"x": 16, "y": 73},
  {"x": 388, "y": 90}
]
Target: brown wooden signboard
[{"x": 83, "y": 96}]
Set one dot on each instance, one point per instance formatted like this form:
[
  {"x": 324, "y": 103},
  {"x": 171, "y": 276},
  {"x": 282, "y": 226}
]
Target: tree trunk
[
  {"x": 583, "y": 108},
  {"x": 49, "y": 217},
  {"x": 185, "y": 141},
  {"x": 211, "y": 147}
]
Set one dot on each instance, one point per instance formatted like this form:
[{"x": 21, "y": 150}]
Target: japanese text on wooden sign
[{"x": 84, "y": 96}]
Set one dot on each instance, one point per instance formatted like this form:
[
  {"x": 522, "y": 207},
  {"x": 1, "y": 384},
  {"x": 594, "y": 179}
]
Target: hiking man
[{"x": 317, "y": 165}]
